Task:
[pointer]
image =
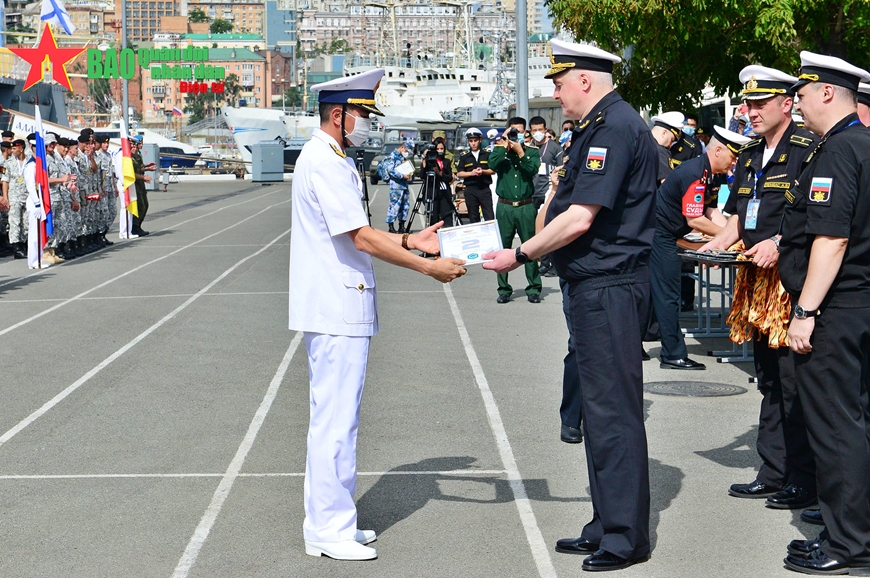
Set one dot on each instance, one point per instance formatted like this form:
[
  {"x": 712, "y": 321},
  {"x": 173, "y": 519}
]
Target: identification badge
[
  {"x": 751, "y": 214},
  {"x": 542, "y": 170},
  {"x": 596, "y": 158},
  {"x": 820, "y": 191}
]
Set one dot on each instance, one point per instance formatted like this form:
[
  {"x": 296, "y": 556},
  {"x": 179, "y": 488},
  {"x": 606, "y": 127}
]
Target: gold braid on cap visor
[
  {"x": 770, "y": 91},
  {"x": 368, "y": 101},
  {"x": 811, "y": 77},
  {"x": 557, "y": 67}
]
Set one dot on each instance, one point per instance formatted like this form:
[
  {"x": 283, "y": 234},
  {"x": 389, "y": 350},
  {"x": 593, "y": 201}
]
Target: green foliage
[
  {"x": 20, "y": 28},
  {"x": 221, "y": 26},
  {"x": 203, "y": 105},
  {"x": 335, "y": 46},
  {"x": 673, "y": 49},
  {"x": 198, "y": 15}
]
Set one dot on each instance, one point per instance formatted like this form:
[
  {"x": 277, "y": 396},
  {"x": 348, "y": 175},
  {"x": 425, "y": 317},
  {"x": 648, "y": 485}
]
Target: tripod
[
  {"x": 427, "y": 198},
  {"x": 361, "y": 169}
]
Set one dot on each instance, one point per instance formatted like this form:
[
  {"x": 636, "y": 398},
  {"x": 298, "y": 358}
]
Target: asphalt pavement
[{"x": 154, "y": 409}]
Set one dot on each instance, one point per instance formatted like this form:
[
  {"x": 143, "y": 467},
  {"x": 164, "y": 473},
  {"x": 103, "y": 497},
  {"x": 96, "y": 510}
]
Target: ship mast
[
  {"x": 462, "y": 37},
  {"x": 388, "y": 39}
]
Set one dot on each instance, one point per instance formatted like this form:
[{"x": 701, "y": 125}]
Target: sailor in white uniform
[{"x": 334, "y": 302}]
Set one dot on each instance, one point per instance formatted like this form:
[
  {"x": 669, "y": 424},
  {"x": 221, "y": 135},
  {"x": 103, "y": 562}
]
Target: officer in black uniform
[
  {"x": 686, "y": 200},
  {"x": 599, "y": 227},
  {"x": 766, "y": 170},
  {"x": 825, "y": 267},
  {"x": 666, "y": 131},
  {"x": 473, "y": 168},
  {"x": 687, "y": 146}
]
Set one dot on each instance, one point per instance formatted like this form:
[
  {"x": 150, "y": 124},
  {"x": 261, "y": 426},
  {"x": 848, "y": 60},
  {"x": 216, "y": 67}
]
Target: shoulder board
[
  {"x": 689, "y": 143},
  {"x": 600, "y": 118},
  {"x": 582, "y": 125},
  {"x": 337, "y": 151},
  {"x": 750, "y": 144},
  {"x": 800, "y": 141}
]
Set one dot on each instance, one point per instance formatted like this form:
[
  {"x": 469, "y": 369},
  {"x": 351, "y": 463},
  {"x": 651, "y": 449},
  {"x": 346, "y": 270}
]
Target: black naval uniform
[
  {"x": 611, "y": 163},
  {"x": 691, "y": 187},
  {"x": 478, "y": 195},
  {"x": 832, "y": 198},
  {"x": 782, "y": 438},
  {"x": 686, "y": 148}
]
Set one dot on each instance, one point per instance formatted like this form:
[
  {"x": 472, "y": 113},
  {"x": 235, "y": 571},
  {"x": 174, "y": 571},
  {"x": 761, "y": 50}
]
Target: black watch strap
[{"x": 522, "y": 258}]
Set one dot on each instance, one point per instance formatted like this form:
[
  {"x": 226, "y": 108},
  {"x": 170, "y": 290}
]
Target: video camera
[{"x": 430, "y": 154}]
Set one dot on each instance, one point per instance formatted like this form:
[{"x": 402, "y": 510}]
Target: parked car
[{"x": 386, "y": 150}]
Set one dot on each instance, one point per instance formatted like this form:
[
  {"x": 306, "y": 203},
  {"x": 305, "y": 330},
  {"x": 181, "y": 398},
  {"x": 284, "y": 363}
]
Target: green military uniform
[
  {"x": 515, "y": 210},
  {"x": 141, "y": 193}
]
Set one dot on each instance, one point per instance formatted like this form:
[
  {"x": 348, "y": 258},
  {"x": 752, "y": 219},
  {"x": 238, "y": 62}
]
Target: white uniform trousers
[
  {"x": 126, "y": 222},
  {"x": 34, "y": 247},
  {"x": 337, "y": 370}
]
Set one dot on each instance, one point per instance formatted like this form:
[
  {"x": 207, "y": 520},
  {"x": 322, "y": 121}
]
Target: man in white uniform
[{"x": 333, "y": 301}]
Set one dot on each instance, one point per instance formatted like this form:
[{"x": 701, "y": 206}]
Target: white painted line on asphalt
[
  {"x": 85, "y": 258},
  {"x": 142, "y": 266},
  {"x": 242, "y": 475},
  {"x": 152, "y": 246},
  {"x": 84, "y": 379},
  {"x": 200, "y": 535},
  {"x": 540, "y": 552},
  {"x": 379, "y": 292},
  {"x": 110, "y": 297}
]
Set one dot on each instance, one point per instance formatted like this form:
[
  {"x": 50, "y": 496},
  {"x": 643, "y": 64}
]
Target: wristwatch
[
  {"x": 522, "y": 258},
  {"x": 801, "y": 313},
  {"x": 775, "y": 240}
]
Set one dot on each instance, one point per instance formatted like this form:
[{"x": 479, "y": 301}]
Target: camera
[
  {"x": 513, "y": 135},
  {"x": 431, "y": 154}
]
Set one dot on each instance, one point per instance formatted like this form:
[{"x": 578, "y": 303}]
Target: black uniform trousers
[
  {"x": 831, "y": 384},
  {"x": 141, "y": 206},
  {"x": 665, "y": 266},
  {"x": 782, "y": 435},
  {"x": 571, "y": 410},
  {"x": 605, "y": 314},
  {"x": 479, "y": 200}
]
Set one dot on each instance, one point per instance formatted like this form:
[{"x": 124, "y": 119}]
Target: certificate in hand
[
  {"x": 470, "y": 242},
  {"x": 406, "y": 168}
]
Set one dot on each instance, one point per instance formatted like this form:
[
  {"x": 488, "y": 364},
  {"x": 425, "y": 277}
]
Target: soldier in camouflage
[
  {"x": 15, "y": 190},
  {"x": 109, "y": 193},
  {"x": 74, "y": 249},
  {"x": 88, "y": 183}
]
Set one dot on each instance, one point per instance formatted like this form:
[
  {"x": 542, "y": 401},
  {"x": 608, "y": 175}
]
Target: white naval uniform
[
  {"x": 35, "y": 214},
  {"x": 333, "y": 301}
]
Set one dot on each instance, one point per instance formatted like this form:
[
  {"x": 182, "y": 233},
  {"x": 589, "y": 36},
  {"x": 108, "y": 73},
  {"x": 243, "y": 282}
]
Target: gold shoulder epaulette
[
  {"x": 600, "y": 118},
  {"x": 338, "y": 151},
  {"x": 801, "y": 141},
  {"x": 750, "y": 144}
]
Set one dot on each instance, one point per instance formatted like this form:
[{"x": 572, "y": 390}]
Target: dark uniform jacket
[
  {"x": 468, "y": 163},
  {"x": 139, "y": 169},
  {"x": 684, "y": 148},
  {"x": 832, "y": 198},
  {"x": 611, "y": 163},
  {"x": 685, "y": 194},
  {"x": 774, "y": 181},
  {"x": 666, "y": 163},
  {"x": 515, "y": 175}
]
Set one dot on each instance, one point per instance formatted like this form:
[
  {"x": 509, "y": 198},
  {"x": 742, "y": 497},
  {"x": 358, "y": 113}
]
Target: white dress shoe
[
  {"x": 365, "y": 536},
  {"x": 346, "y": 550}
]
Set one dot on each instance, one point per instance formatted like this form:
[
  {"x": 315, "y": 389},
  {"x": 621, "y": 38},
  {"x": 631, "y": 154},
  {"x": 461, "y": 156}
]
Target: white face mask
[
  {"x": 360, "y": 132},
  {"x": 406, "y": 154},
  {"x": 538, "y": 136}
]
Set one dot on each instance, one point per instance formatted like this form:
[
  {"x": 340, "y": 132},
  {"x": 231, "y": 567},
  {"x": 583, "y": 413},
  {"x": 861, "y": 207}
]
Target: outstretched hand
[
  {"x": 427, "y": 239},
  {"x": 446, "y": 270},
  {"x": 501, "y": 261}
]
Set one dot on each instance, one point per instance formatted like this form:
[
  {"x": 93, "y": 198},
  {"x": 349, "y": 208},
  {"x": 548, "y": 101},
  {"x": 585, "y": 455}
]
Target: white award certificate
[
  {"x": 470, "y": 242},
  {"x": 406, "y": 168}
]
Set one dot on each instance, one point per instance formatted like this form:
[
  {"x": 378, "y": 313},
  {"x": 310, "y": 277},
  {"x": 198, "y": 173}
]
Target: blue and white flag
[{"x": 53, "y": 12}]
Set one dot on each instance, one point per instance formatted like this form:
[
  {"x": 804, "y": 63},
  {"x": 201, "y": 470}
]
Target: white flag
[{"x": 53, "y": 12}]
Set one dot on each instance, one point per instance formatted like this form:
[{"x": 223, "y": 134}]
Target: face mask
[
  {"x": 406, "y": 154},
  {"x": 440, "y": 154},
  {"x": 361, "y": 128},
  {"x": 689, "y": 130},
  {"x": 563, "y": 138},
  {"x": 538, "y": 136}
]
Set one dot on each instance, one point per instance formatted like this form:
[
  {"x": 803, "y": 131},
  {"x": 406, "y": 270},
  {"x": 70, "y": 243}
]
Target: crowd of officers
[{"x": 83, "y": 191}]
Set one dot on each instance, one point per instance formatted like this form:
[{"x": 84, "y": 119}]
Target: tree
[
  {"x": 20, "y": 28},
  {"x": 292, "y": 97},
  {"x": 671, "y": 50},
  {"x": 221, "y": 26},
  {"x": 198, "y": 15},
  {"x": 232, "y": 89}
]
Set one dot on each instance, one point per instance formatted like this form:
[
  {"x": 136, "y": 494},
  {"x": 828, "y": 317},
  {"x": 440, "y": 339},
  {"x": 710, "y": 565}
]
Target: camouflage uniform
[
  {"x": 59, "y": 210},
  {"x": 75, "y": 217},
  {"x": 88, "y": 185},
  {"x": 4, "y": 215},
  {"x": 14, "y": 175},
  {"x": 107, "y": 170}
]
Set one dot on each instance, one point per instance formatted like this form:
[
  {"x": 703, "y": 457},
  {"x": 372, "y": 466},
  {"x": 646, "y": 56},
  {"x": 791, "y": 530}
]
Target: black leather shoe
[
  {"x": 644, "y": 356},
  {"x": 572, "y": 435},
  {"x": 821, "y": 564},
  {"x": 18, "y": 254},
  {"x": 576, "y": 545},
  {"x": 755, "y": 489},
  {"x": 812, "y": 517},
  {"x": 550, "y": 273},
  {"x": 534, "y": 298},
  {"x": 602, "y": 561},
  {"x": 503, "y": 298},
  {"x": 143, "y": 233},
  {"x": 544, "y": 269},
  {"x": 791, "y": 497},
  {"x": 684, "y": 363},
  {"x": 806, "y": 547}
]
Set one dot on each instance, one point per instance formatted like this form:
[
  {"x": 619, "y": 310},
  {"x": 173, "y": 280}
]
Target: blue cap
[{"x": 358, "y": 90}]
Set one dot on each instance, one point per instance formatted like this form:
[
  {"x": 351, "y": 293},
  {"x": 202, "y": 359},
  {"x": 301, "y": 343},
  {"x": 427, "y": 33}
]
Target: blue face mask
[
  {"x": 563, "y": 138},
  {"x": 689, "y": 130}
]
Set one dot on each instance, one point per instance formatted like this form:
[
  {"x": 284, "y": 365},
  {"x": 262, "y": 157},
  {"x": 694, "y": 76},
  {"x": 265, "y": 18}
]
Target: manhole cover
[{"x": 692, "y": 388}]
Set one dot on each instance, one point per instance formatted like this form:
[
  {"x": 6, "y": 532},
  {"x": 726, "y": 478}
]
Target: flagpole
[
  {"x": 39, "y": 194},
  {"x": 125, "y": 96}
]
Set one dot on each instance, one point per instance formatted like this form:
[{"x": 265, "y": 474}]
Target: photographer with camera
[
  {"x": 438, "y": 188},
  {"x": 516, "y": 166}
]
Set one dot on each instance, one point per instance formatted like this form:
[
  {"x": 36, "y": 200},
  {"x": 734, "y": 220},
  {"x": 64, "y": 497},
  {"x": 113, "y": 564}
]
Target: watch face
[{"x": 800, "y": 312}]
